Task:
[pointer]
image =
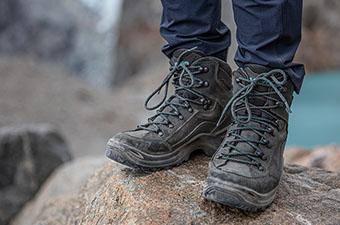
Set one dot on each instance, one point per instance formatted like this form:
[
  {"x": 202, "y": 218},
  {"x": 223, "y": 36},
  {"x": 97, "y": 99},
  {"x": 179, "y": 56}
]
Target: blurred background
[{"x": 73, "y": 73}]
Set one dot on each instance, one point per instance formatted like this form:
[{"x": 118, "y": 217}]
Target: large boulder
[
  {"x": 28, "y": 155},
  {"x": 117, "y": 195},
  {"x": 66, "y": 181}
]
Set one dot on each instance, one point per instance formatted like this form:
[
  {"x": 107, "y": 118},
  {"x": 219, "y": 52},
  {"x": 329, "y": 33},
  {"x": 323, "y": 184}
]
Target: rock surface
[
  {"x": 65, "y": 182},
  {"x": 327, "y": 157},
  {"x": 28, "y": 155},
  {"x": 117, "y": 195}
]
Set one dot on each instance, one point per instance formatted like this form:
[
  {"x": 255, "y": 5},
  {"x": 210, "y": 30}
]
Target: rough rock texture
[
  {"x": 117, "y": 195},
  {"x": 73, "y": 34},
  {"x": 28, "y": 155},
  {"x": 326, "y": 158},
  {"x": 65, "y": 182}
]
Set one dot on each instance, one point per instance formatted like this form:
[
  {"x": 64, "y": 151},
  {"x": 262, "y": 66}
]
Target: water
[{"x": 316, "y": 112}]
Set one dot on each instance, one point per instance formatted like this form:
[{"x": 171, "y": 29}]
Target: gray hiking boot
[
  {"x": 245, "y": 171},
  {"x": 185, "y": 122}
]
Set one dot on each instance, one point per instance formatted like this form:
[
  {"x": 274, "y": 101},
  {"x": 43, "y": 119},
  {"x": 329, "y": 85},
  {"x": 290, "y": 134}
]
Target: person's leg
[
  {"x": 246, "y": 170},
  {"x": 268, "y": 34},
  {"x": 188, "y": 24}
]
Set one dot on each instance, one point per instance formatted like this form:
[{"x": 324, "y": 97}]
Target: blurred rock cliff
[{"x": 106, "y": 42}]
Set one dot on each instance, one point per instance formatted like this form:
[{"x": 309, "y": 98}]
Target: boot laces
[
  {"x": 184, "y": 81},
  {"x": 245, "y": 113}
]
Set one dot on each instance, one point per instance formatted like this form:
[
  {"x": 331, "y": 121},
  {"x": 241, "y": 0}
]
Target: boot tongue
[
  {"x": 190, "y": 56},
  {"x": 250, "y": 71},
  {"x": 257, "y": 69}
]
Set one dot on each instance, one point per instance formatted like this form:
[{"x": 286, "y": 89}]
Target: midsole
[
  {"x": 144, "y": 159},
  {"x": 247, "y": 194},
  {"x": 156, "y": 161}
]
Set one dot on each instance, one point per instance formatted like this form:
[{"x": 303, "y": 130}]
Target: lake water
[{"x": 316, "y": 112}]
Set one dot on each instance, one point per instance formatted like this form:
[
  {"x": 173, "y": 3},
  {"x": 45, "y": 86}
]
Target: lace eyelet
[
  {"x": 205, "y": 107},
  {"x": 261, "y": 168},
  {"x": 279, "y": 104},
  {"x": 190, "y": 109},
  {"x": 205, "y": 69},
  {"x": 280, "y": 124},
  {"x": 265, "y": 141},
  {"x": 264, "y": 158},
  {"x": 180, "y": 117},
  {"x": 160, "y": 133},
  {"x": 170, "y": 125},
  {"x": 237, "y": 80},
  {"x": 206, "y": 84}
]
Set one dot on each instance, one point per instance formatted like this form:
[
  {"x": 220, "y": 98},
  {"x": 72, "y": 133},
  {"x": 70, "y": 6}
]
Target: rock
[
  {"x": 78, "y": 35},
  {"x": 65, "y": 182},
  {"x": 139, "y": 41},
  {"x": 326, "y": 158},
  {"x": 28, "y": 155},
  {"x": 320, "y": 47},
  {"x": 117, "y": 195}
]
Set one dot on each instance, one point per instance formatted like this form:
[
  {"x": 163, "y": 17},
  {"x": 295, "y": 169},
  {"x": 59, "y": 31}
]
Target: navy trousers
[{"x": 268, "y": 31}]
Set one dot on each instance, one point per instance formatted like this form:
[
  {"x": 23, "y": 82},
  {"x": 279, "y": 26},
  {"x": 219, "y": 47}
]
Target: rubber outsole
[
  {"x": 237, "y": 196},
  {"x": 122, "y": 159},
  {"x": 122, "y": 154}
]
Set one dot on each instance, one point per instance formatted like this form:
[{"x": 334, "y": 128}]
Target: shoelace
[
  {"x": 274, "y": 81},
  {"x": 184, "y": 81}
]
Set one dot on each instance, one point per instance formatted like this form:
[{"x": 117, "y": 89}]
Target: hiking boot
[
  {"x": 246, "y": 169},
  {"x": 185, "y": 122}
]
